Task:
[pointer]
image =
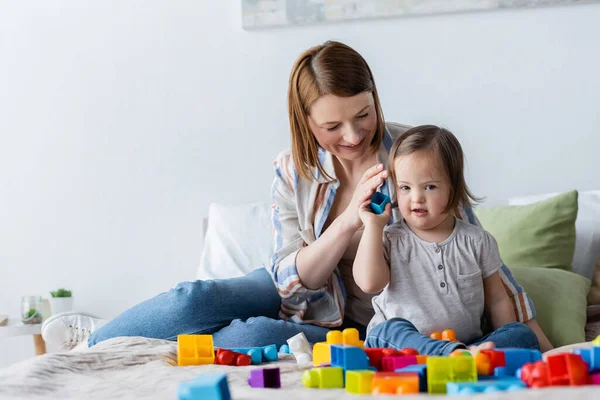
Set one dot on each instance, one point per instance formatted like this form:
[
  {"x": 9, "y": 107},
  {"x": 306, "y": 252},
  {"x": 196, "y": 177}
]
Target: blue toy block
[
  {"x": 349, "y": 357},
  {"x": 503, "y": 379},
  {"x": 270, "y": 353},
  {"x": 260, "y": 354},
  {"x": 284, "y": 349},
  {"x": 591, "y": 356},
  {"x": 470, "y": 388},
  {"x": 378, "y": 202},
  {"x": 515, "y": 359},
  {"x": 420, "y": 369},
  {"x": 205, "y": 387}
]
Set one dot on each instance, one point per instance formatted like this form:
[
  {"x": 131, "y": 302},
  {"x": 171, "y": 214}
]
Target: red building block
[
  {"x": 567, "y": 369},
  {"x": 228, "y": 357},
  {"x": 535, "y": 375},
  {"x": 496, "y": 358},
  {"x": 375, "y": 356}
]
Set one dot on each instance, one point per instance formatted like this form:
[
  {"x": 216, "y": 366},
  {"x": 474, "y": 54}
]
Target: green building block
[
  {"x": 324, "y": 378},
  {"x": 441, "y": 370},
  {"x": 359, "y": 381}
]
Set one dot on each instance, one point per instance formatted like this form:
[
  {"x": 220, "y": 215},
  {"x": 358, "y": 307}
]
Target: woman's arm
[
  {"x": 316, "y": 262},
  {"x": 297, "y": 266}
]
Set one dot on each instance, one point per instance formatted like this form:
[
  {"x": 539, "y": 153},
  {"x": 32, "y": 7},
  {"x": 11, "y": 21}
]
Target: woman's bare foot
[{"x": 483, "y": 346}]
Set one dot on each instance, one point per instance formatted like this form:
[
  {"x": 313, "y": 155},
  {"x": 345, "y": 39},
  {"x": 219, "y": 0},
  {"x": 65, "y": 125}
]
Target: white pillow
[
  {"x": 587, "y": 226},
  {"x": 238, "y": 240}
]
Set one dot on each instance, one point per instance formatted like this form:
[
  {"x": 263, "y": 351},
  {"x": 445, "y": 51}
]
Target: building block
[
  {"x": 195, "y": 350},
  {"x": 421, "y": 359},
  {"x": 441, "y": 370},
  {"x": 324, "y": 378},
  {"x": 390, "y": 364},
  {"x": 567, "y": 369},
  {"x": 535, "y": 375},
  {"x": 378, "y": 202},
  {"x": 205, "y": 387},
  {"x": 348, "y": 357},
  {"x": 265, "y": 378},
  {"x": 259, "y": 354},
  {"x": 228, "y": 357},
  {"x": 591, "y": 356},
  {"x": 419, "y": 369},
  {"x": 483, "y": 364},
  {"x": 300, "y": 348},
  {"x": 375, "y": 355},
  {"x": 461, "y": 353},
  {"x": 515, "y": 359},
  {"x": 448, "y": 335},
  {"x": 594, "y": 379},
  {"x": 285, "y": 349},
  {"x": 359, "y": 381},
  {"x": 395, "y": 383},
  {"x": 321, "y": 354},
  {"x": 407, "y": 351},
  {"x": 596, "y": 342},
  {"x": 496, "y": 358},
  {"x": 470, "y": 388}
]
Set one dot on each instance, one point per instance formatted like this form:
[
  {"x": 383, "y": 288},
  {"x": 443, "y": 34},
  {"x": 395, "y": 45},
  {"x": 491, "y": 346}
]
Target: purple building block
[{"x": 265, "y": 378}]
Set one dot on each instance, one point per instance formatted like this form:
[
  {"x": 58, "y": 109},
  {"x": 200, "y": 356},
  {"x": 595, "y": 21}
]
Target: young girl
[{"x": 436, "y": 271}]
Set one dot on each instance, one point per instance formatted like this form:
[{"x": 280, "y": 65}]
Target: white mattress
[{"x": 141, "y": 368}]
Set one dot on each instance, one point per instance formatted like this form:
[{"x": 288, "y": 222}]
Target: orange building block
[
  {"x": 395, "y": 383},
  {"x": 448, "y": 335},
  {"x": 195, "y": 350}
]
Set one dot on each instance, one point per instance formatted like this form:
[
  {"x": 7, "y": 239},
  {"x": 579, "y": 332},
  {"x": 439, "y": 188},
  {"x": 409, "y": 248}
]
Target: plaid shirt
[{"x": 299, "y": 211}]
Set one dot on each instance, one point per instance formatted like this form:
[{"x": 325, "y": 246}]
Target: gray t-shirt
[{"x": 437, "y": 286}]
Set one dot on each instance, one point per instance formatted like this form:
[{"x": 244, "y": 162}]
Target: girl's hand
[
  {"x": 370, "y": 181},
  {"x": 369, "y": 218}
]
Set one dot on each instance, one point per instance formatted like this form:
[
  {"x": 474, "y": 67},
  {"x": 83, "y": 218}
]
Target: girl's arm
[
  {"x": 498, "y": 305},
  {"x": 371, "y": 271}
]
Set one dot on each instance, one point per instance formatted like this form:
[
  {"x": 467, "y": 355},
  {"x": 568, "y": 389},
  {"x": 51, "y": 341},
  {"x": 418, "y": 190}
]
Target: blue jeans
[
  {"x": 238, "y": 312},
  {"x": 399, "y": 333}
]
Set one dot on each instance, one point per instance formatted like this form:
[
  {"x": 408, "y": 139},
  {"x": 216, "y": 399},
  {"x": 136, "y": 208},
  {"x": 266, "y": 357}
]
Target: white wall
[{"x": 121, "y": 121}]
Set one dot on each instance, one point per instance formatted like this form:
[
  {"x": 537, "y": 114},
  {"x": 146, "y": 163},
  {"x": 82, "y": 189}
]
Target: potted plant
[{"x": 61, "y": 301}]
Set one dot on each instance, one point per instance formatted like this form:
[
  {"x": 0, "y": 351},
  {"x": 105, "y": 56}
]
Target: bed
[{"x": 136, "y": 367}]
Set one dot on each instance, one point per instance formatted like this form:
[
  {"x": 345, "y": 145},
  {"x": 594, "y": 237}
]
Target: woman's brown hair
[
  {"x": 331, "y": 68},
  {"x": 443, "y": 147}
]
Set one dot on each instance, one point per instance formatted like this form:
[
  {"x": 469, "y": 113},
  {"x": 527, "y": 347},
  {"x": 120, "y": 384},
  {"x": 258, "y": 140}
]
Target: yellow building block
[
  {"x": 322, "y": 350},
  {"x": 359, "y": 381},
  {"x": 195, "y": 350},
  {"x": 596, "y": 341}
]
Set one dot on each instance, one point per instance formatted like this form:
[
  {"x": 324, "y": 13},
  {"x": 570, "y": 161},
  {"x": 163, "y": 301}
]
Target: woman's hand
[
  {"x": 370, "y": 181},
  {"x": 369, "y": 218}
]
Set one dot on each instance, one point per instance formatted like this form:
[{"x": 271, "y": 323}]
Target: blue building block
[
  {"x": 205, "y": 387},
  {"x": 420, "y": 369},
  {"x": 591, "y": 356},
  {"x": 470, "y": 388},
  {"x": 515, "y": 359},
  {"x": 260, "y": 354},
  {"x": 378, "y": 202},
  {"x": 284, "y": 349},
  {"x": 503, "y": 379},
  {"x": 349, "y": 357}
]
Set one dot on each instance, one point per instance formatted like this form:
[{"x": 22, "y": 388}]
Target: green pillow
[
  {"x": 560, "y": 300},
  {"x": 535, "y": 235}
]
